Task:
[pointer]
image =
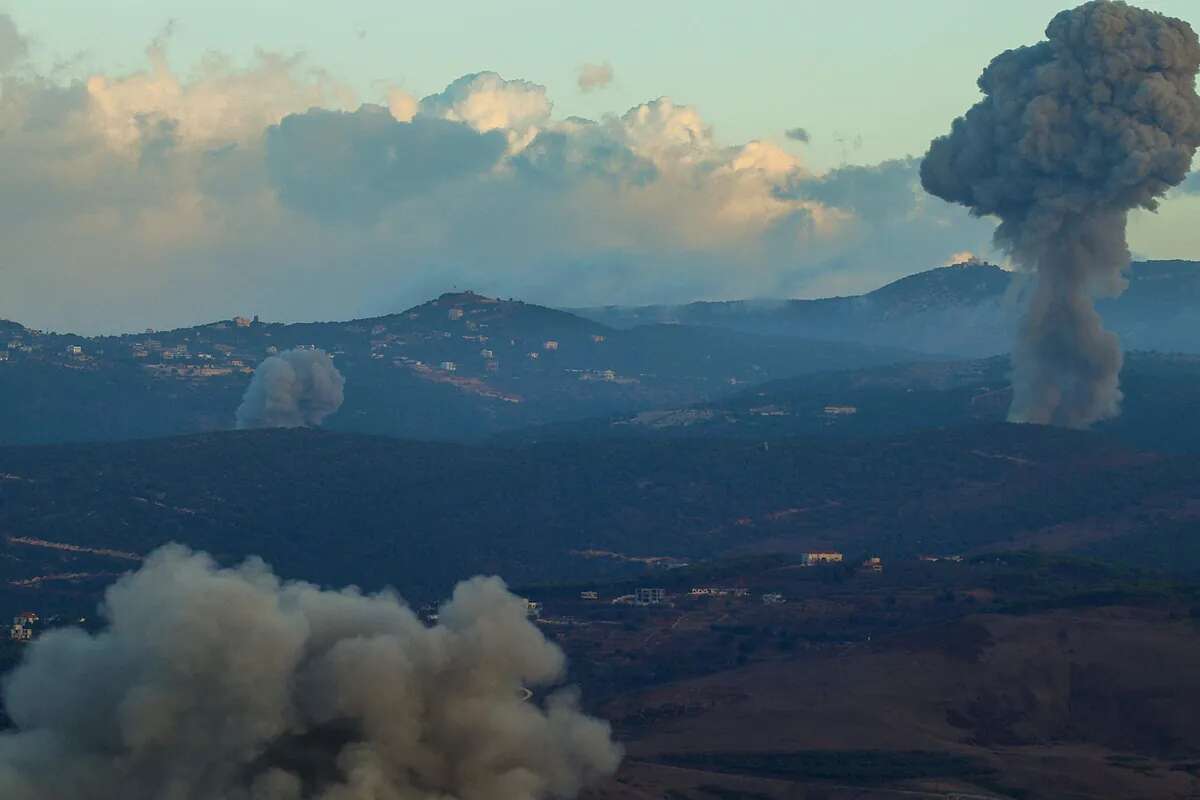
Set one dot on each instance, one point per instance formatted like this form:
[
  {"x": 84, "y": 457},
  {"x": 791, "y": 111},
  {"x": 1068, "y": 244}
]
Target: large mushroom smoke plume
[
  {"x": 1072, "y": 133},
  {"x": 290, "y": 390},
  {"x": 228, "y": 684}
]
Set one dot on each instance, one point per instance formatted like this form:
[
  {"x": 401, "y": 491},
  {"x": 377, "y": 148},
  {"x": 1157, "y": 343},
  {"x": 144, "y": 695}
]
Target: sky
[{"x": 162, "y": 182}]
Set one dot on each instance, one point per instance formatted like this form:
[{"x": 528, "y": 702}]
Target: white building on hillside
[{"x": 650, "y": 596}]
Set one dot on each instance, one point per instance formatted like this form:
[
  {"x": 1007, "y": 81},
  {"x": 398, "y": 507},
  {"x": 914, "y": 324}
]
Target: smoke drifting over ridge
[
  {"x": 291, "y": 390},
  {"x": 1072, "y": 134},
  {"x": 228, "y": 684}
]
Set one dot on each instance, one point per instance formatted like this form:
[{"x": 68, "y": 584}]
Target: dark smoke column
[{"x": 1072, "y": 133}]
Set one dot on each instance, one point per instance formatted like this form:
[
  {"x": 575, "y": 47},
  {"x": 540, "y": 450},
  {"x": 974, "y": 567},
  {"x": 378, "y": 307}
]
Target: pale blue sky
[
  {"x": 215, "y": 221},
  {"x": 892, "y": 73}
]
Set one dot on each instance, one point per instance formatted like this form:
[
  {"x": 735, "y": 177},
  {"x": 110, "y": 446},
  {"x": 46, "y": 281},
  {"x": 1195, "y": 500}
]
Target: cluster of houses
[
  {"x": 156, "y": 356},
  {"x": 178, "y": 360},
  {"x": 650, "y": 596},
  {"x": 488, "y": 354},
  {"x": 713, "y": 591},
  {"x": 23, "y": 626},
  {"x": 872, "y": 564},
  {"x": 657, "y": 596},
  {"x": 18, "y": 345},
  {"x": 607, "y": 375}
]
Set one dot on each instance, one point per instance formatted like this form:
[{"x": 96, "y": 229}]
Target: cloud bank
[
  {"x": 150, "y": 199},
  {"x": 229, "y": 684}
]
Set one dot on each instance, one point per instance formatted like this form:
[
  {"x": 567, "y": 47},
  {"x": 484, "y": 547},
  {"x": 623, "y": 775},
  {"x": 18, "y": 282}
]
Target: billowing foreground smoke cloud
[
  {"x": 290, "y": 390},
  {"x": 1074, "y": 132},
  {"x": 228, "y": 684}
]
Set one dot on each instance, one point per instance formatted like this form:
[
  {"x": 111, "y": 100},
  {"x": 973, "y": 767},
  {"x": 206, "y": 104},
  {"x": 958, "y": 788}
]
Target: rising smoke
[
  {"x": 291, "y": 390},
  {"x": 228, "y": 684},
  {"x": 1072, "y": 133}
]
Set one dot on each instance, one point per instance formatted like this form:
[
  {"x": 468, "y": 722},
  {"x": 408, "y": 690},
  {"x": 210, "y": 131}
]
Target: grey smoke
[
  {"x": 13, "y": 46},
  {"x": 292, "y": 389},
  {"x": 1072, "y": 133},
  {"x": 797, "y": 134},
  {"x": 229, "y": 684},
  {"x": 595, "y": 76}
]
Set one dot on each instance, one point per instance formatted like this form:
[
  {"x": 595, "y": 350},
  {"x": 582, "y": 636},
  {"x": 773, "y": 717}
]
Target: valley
[{"x": 657, "y": 494}]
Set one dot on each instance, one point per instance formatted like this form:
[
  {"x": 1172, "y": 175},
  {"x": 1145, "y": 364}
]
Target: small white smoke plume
[
  {"x": 290, "y": 390},
  {"x": 228, "y": 684}
]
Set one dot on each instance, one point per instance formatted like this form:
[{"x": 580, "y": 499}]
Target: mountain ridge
[
  {"x": 461, "y": 366},
  {"x": 967, "y": 310}
]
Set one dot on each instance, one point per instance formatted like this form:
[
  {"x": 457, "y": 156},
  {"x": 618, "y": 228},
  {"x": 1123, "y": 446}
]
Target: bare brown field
[{"x": 1103, "y": 703}]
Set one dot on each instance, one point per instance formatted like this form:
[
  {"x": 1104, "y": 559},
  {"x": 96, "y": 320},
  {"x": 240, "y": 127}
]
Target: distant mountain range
[
  {"x": 465, "y": 367},
  {"x": 459, "y": 367},
  {"x": 965, "y": 310}
]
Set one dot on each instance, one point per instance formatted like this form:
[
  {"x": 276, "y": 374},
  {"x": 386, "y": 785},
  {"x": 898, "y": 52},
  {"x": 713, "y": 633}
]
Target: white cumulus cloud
[{"x": 148, "y": 199}]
